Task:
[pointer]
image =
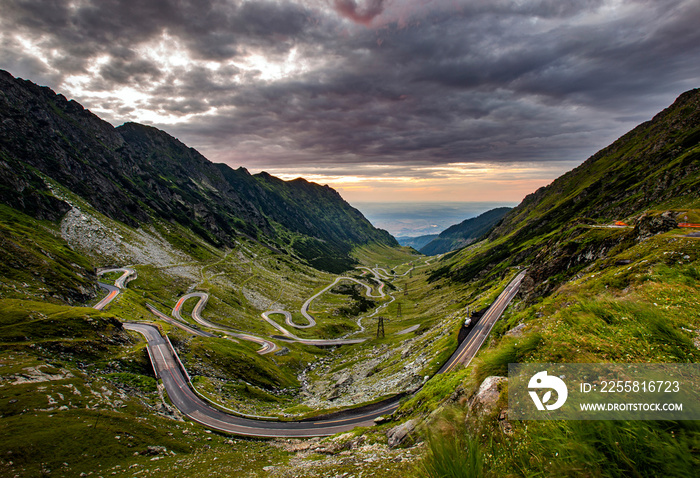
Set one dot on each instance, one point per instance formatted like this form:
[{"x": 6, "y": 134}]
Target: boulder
[
  {"x": 382, "y": 419},
  {"x": 648, "y": 225},
  {"x": 485, "y": 399},
  {"x": 344, "y": 381},
  {"x": 154, "y": 450},
  {"x": 398, "y": 434},
  {"x": 516, "y": 331}
]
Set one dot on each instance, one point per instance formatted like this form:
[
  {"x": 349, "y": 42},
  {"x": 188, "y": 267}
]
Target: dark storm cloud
[
  {"x": 125, "y": 71},
  {"x": 383, "y": 82}
]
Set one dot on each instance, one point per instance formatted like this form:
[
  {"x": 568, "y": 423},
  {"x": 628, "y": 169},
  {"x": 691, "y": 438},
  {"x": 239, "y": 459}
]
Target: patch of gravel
[
  {"x": 259, "y": 301},
  {"x": 379, "y": 371},
  {"x": 323, "y": 457},
  {"x": 86, "y": 232}
]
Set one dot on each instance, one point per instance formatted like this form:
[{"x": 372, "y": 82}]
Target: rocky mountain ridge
[
  {"x": 656, "y": 162},
  {"x": 135, "y": 173}
]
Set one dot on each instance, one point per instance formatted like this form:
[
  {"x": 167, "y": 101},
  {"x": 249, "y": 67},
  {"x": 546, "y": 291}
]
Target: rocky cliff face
[
  {"x": 135, "y": 173},
  {"x": 43, "y": 133},
  {"x": 182, "y": 185}
]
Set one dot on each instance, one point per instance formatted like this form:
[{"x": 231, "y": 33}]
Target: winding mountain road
[
  {"x": 167, "y": 367},
  {"x": 170, "y": 370},
  {"x": 307, "y": 304},
  {"x": 176, "y": 323},
  {"x": 267, "y": 346},
  {"x": 290, "y": 337},
  {"x": 113, "y": 290}
]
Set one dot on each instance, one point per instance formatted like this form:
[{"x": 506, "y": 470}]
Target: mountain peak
[{"x": 138, "y": 174}]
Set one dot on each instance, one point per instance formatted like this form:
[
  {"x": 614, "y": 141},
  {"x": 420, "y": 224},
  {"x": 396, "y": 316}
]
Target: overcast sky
[{"x": 385, "y": 100}]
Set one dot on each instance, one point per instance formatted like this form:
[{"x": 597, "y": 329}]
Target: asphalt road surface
[
  {"x": 290, "y": 337},
  {"x": 471, "y": 345},
  {"x": 181, "y": 395},
  {"x": 112, "y": 293},
  {"x": 179, "y": 324},
  {"x": 114, "y": 290}
]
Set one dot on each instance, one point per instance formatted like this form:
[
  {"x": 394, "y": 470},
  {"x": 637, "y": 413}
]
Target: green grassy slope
[
  {"x": 638, "y": 305},
  {"x": 37, "y": 262},
  {"x": 593, "y": 293},
  {"x": 654, "y": 167}
]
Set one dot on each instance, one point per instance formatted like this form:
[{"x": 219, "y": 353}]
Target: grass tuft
[{"x": 451, "y": 451}]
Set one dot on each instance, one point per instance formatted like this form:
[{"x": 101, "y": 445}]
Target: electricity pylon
[{"x": 380, "y": 327}]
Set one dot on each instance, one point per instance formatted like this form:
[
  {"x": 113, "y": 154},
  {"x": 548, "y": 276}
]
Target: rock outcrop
[
  {"x": 649, "y": 225},
  {"x": 485, "y": 399},
  {"x": 399, "y": 433}
]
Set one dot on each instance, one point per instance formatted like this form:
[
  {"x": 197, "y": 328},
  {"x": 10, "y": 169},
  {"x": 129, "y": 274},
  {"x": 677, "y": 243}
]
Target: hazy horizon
[{"x": 413, "y": 219}]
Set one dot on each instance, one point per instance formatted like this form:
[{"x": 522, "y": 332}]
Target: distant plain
[{"x": 404, "y": 219}]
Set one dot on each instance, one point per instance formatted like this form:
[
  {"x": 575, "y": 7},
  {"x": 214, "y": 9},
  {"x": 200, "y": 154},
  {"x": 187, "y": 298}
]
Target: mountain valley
[{"x": 609, "y": 253}]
